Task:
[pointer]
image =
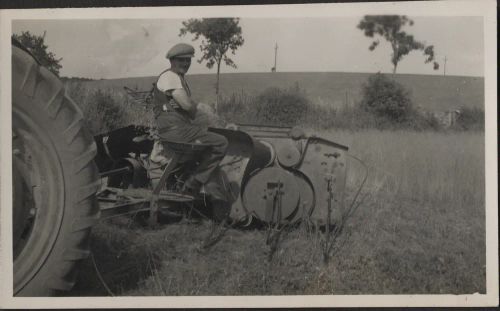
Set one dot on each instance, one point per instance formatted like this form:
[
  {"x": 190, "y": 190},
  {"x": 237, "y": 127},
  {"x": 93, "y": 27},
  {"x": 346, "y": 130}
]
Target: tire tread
[
  {"x": 58, "y": 283},
  {"x": 84, "y": 192},
  {"x": 55, "y": 103},
  {"x": 84, "y": 159},
  {"x": 81, "y": 212},
  {"x": 30, "y": 81},
  {"x": 72, "y": 254},
  {"x": 72, "y": 130},
  {"x": 84, "y": 223}
]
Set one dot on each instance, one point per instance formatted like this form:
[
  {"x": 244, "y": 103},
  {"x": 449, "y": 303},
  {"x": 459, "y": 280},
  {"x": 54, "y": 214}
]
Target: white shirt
[{"x": 169, "y": 81}]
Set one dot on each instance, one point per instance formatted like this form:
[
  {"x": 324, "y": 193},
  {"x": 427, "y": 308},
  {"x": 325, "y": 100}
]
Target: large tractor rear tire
[{"x": 54, "y": 181}]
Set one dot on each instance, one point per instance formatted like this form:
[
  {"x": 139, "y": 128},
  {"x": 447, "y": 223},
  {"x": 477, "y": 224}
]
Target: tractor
[{"x": 65, "y": 180}]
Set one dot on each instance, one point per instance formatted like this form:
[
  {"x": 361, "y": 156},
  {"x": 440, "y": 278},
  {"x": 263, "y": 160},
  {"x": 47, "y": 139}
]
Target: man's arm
[{"x": 185, "y": 101}]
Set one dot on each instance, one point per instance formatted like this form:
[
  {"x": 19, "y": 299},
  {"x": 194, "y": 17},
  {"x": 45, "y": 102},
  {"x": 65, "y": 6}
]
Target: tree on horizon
[
  {"x": 220, "y": 35},
  {"x": 390, "y": 27}
]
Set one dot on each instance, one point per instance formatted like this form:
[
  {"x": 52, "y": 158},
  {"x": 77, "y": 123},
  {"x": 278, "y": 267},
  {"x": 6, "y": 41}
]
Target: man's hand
[{"x": 172, "y": 103}]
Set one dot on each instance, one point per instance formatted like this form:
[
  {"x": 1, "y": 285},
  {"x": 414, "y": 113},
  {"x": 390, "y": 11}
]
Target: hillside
[{"x": 429, "y": 91}]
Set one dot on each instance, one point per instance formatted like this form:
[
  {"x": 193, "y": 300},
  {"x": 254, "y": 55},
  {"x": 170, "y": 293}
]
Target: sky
[{"x": 119, "y": 48}]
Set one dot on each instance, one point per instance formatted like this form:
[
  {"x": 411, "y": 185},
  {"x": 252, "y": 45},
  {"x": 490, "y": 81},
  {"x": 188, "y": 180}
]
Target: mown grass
[{"x": 419, "y": 230}]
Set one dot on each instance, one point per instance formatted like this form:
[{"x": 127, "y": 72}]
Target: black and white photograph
[{"x": 292, "y": 155}]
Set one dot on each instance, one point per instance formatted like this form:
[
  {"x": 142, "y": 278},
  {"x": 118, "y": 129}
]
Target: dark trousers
[
  {"x": 212, "y": 157},
  {"x": 176, "y": 127}
]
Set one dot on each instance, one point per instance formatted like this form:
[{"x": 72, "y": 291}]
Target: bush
[
  {"x": 287, "y": 107},
  {"x": 274, "y": 106},
  {"x": 104, "y": 113},
  {"x": 419, "y": 122},
  {"x": 470, "y": 119},
  {"x": 291, "y": 106},
  {"x": 106, "y": 110},
  {"x": 238, "y": 108},
  {"x": 387, "y": 99}
]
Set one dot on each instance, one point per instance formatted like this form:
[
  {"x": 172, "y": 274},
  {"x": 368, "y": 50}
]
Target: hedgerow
[{"x": 385, "y": 105}]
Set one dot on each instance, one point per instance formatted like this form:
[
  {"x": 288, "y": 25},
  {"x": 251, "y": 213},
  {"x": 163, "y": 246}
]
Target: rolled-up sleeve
[{"x": 169, "y": 81}]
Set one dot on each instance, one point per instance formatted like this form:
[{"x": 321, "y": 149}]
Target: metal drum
[
  {"x": 288, "y": 154},
  {"x": 272, "y": 195}
]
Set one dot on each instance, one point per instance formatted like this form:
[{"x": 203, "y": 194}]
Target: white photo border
[{"x": 485, "y": 9}]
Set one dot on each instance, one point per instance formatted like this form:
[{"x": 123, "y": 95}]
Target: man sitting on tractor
[{"x": 176, "y": 113}]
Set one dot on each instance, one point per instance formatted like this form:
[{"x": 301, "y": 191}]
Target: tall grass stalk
[{"x": 433, "y": 167}]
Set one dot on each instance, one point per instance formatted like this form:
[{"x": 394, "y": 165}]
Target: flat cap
[{"x": 181, "y": 50}]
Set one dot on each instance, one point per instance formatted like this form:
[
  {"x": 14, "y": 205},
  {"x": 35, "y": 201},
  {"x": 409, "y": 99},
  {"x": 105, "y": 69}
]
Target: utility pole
[
  {"x": 444, "y": 67},
  {"x": 275, "y": 56}
]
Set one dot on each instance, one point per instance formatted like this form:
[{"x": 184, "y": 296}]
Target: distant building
[{"x": 447, "y": 118}]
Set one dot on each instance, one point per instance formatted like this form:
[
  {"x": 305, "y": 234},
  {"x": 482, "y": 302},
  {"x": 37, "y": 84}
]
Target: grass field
[
  {"x": 419, "y": 230},
  {"x": 335, "y": 88}
]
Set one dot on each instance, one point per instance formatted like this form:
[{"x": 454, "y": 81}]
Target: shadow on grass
[{"x": 121, "y": 259}]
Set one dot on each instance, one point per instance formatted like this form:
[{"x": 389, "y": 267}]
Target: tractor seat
[{"x": 180, "y": 153}]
